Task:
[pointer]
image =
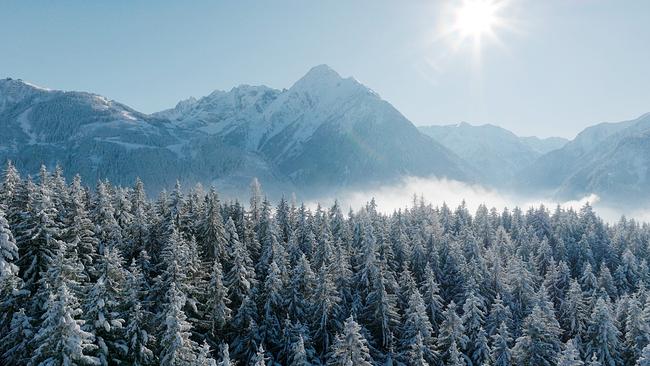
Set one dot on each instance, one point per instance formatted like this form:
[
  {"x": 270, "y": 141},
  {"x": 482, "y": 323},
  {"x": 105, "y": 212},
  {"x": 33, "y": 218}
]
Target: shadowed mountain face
[{"x": 322, "y": 134}]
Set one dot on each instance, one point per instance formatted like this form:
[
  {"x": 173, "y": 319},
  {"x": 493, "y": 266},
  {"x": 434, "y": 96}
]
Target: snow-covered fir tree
[
  {"x": 138, "y": 336},
  {"x": 570, "y": 355},
  {"x": 603, "y": 336},
  {"x": 176, "y": 346},
  {"x": 350, "y": 347},
  {"x": 61, "y": 339},
  {"x": 539, "y": 343},
  {"x": 104, "y": 309},
  {"x": 501, "y": 353},
  {"x": 8, "y": 250}
]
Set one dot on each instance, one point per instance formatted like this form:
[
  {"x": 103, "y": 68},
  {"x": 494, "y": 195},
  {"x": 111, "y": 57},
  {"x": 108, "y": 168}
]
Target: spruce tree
[
  {"x": 570, "y": 355},
  {"x": 451, "y": 332},
  {"x": 176, "y": 347},
  {"x": 417, "y": 353},
  {"x": 272, "y": 308},
  {"x": 298, "y": 355},
  {"x": 300, "y": 287},
  {"x": 218, "y": 312},
  {"x": 10, "y": 185},
  {"x": 259, "y": 358},
  {"x": 37, "y": 235},
  {"x": 455, "y": 358},
  {"x": 539, "y": 343},
  {"x": 637, "y": 331},
  {"x": 350, "y": 347},
  {"x": 381, "y": 313},
  {"x": 8, "y": 250},
  {"x": 139, "y": 232},
  {"x": 473, "y": 319},
  {"x": 212, "y": 236},
  {"x": 15, "y": 344},
  {"x": 499, "y": 313},
  {"x": 417, "y": 328},
  {"x": 104, "y": 309},
  {"x": 430, "y": 291},
  {"x": 61, "y": 339},
  {"x": 480, "y": 351},
  {"x": 80, "y": 230},
  {"x": 325, "y": 311},
  {"x": 137, "y": 330},
  {"x": 603, "y": 337},
  {"x": 500, "y": 351},
  {"x": 107, "y": 229},
  {"x": 240, "y": 278},
  {"x": 573, "y": 312}
]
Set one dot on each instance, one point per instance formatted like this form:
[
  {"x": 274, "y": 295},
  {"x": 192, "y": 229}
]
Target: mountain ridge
[
  {"x": 226, "y": 138},
  {"x": 611, "y": 159},
  {"x": 322, "y": 135}
]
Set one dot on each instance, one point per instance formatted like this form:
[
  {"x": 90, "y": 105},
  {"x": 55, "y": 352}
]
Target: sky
[{"x": 552, "y": 68}]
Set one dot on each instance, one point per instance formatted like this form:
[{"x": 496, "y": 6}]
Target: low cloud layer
[{"x": 439, "y": 191}]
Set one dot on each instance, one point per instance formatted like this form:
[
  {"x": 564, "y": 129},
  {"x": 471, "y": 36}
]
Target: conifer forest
[{"x": 105, "y": 275}]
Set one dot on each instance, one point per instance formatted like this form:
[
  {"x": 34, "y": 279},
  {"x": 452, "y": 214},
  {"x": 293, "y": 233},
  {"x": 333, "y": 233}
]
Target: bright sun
[
  {"x": 469, "y": 26},
  {"x": 476, "y": 18}
]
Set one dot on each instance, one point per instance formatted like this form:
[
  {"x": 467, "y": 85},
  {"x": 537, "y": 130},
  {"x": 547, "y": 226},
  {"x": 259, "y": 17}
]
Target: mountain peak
[
  {"x": 326, "y": 85},
  {"x": 321, "y": 72},
  {"x": 318, "y": 76}
]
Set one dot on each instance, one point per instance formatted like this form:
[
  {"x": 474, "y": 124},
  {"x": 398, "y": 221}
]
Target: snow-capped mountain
[
  {"x": 495, "y": 152},
  {"x": 102, "y": 139},
  {"x": 325, "y": 130},
  {"x": 85, "y": 133},
  {"x": 609, "y": 159},
  {"x": 323, "y": 133}
]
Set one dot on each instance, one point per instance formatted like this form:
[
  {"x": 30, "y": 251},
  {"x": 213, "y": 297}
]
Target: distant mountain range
[
  {"x": 323, "y": 135},
  {"x": 496, "y": 153},
  {"x": 609, "y": 159}
]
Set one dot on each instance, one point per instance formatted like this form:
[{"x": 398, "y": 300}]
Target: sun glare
[
  {"x": 474, "y": 22},
  {"x": 476, "y": 17}
]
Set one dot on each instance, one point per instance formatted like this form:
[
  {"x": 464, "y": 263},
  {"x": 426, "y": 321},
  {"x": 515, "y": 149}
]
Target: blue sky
[{"x": 558, "y": 67}]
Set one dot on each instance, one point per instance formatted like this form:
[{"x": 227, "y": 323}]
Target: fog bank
[{"x": 451, "y": 192}]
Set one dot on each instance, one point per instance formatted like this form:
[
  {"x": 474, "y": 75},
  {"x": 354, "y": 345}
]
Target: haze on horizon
[{"x": 555, "y": 68}]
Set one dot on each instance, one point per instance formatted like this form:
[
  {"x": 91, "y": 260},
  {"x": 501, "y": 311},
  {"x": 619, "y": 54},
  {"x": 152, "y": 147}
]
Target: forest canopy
[{"x": 106, "y": 276}]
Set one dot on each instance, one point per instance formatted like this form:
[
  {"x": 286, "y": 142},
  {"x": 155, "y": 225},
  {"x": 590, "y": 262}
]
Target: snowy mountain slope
[
  {"x": 260, "y": 118},
  {"x": 324, "y": 133},
  {"x": 325, "y": 130},
  {"x": 609, "y": 159},
  {"x": 493, "y": 151},
  {"x": 96, "y": 137}
]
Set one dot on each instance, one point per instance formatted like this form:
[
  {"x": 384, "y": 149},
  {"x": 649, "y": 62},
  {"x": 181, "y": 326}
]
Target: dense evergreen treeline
[{"x": 107, "y": 277}]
